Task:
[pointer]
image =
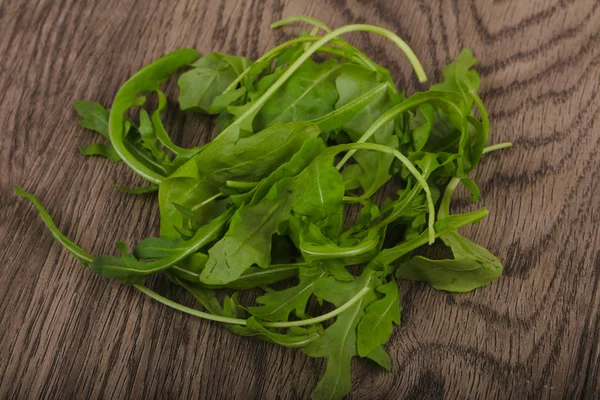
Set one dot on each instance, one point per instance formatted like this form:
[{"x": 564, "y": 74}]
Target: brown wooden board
[{"x": 66, "y": 333}]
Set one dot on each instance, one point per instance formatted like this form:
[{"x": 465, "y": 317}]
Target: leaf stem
[
  {"x": 340, "y": 252},
  {"x": 241, "y": 185},
  {"x": 302, "y": 18},
  {"x": 444, "y": 209},
  {"x": 205, "y": 202},
  {"x": 496, "y": 147},
  {"x": 239, "y": 321}
]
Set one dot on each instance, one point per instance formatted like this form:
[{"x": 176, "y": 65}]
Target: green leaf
[
  {"x": 277, "y": 305},
  {"x": 190, "y": 268},
  {"x": 206, "y": 297},
  {"x": 149, "y": 140},
  {"x": 158, "y": 247},
  {"x": 126, "y": 265},
  {"x": 310, "y": 149},
  {"x": 472, "y": 187},
  {"x": 421, "y": 125},
  {"x": 315, "y": 194},
  {"x": 148, "y": 79},
  {"x": 336, "y": 119},
  {"x": 319, "y": 196},
  {"x": 227, "y": 158},
  {"x": 295, "y": 337},
  {"x": 93, "y": 116},
  {"x": 382, "y": 358},
  {"x": 376, "y": 325},
  {"x": 255, "y": 277},
  {"x": 351, "y": 84},
  {"x": 473, "y": 266},
  {"x": 248, "y": 240},
  {"x": 371, "y": 171},
  {"x": 461, "y": 78},
  {"x": 373, "y": 168},
  {"x": 315, "y": 246},
  {"x": 102, "y": 150},
  {"x": 338, "y": 344},
  {"x": 224, "y": 100},
  {"x": 162, "y": 135},
  {"x": 308, "y": 94},
  {"x": 444, "y": 225},
  {"x": 137, "y": 190},
  {"x": 67, "y": 243},
  {"x": 208, "y": 78}
]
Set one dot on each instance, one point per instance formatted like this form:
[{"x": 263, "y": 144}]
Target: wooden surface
[{"x": 66, "y": 333}]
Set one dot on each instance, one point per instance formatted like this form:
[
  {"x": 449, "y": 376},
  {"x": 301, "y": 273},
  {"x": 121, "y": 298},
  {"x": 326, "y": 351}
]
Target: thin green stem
[
  {"x": 496, "y": 147},
  {"x": 354, "y": 200},
  {"x": 313, "y": 32},
  {"x": 239, "y": 321},
  {"x": 302, "y": 18},
  {"x": 188, "y": 310},
  {"x": 321, "y": 318},
  {"x": 444, "y": 209},
  {"x": 340, "y": 252},
  {"x": 241, "y": 185},
  {"x": 205, "y": 202}
]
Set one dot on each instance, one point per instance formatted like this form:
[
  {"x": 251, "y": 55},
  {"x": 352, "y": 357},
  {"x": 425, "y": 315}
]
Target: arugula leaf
[
  {"x": 251, "y": 158},
  {"x": 421, "y": 126},
  {"x": 100, "y": 149},
  {"x": 149, "y": 140},
  {"x": 319, "y": 195},
  {"x": 473, "y": 266},
  {"x": 206, "y": 297},
  {"x": 248, "y": 240},
  {"x": 276, "y": 306},
  {"x": 296, "y": 337},
  {"x": 93, "y": 116},
  {"x": 126, "y": 265},
  {"x": 309, "y": 94},
  {"x": 375, "y": 326},
  {"x": 351, "y": 84},
  {"x": 137, "y": 190},
  {"x": 315, "y": 246},
  {"x": 315, "y": 194},
  {"x": 255, "y": 277},
  {"x": 339, "y": 342},
  {"x": 208, "y": 78},
  {"x": 310, "y": 149},
  {"x": 460, "y": 78},
  {"x": 382, "y": 358},
  {"x": 67, "y": 243}
]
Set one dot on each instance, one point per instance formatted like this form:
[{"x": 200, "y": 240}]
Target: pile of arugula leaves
[{"x": 308, "y": 130}]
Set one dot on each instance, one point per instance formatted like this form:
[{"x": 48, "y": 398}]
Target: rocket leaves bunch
[{"x": 263, "y": 206}]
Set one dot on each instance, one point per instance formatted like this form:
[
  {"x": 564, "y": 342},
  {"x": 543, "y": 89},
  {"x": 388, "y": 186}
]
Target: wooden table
[{"x": 68, "y": 334}]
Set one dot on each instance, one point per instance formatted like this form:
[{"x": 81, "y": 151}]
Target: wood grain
[{"x": 535, "y": 333}]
